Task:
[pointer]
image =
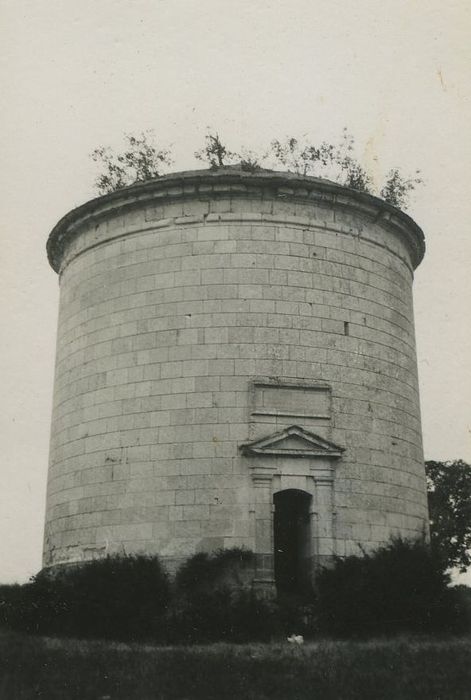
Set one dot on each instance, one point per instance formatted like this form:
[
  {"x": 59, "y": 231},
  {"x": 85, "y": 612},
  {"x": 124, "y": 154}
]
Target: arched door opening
[{"x": 292, "y": 541}]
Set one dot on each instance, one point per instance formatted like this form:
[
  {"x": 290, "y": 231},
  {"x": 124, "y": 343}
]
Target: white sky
[{"x": 76, "y": 75}]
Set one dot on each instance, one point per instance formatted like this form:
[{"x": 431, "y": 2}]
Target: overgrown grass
[{"x": 396, "y": 669}]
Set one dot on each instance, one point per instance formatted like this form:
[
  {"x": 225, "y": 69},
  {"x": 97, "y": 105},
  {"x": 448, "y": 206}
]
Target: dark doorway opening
[{"x": 292, "y": 540}]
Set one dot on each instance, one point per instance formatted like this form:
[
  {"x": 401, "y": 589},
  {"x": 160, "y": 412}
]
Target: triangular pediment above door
[{"x": 293, "y": 442}]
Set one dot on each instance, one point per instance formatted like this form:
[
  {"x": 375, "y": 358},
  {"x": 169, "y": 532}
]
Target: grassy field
[{"x": 399, "y": 669}]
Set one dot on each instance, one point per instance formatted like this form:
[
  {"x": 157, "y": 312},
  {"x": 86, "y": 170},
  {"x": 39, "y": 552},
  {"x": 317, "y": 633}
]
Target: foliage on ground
[
  {"x": 449, "y": 501},
  {"x": 399, "y": 669},
  {"x": 399, "y": 588},
  {"x": 205, "y": 570},
  {"x": 113, "y": 598},
  {"x": 213, "y": 601}
]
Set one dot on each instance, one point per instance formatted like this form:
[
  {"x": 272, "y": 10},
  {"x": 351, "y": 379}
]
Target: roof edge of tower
[{"x": 235, "y": 182}]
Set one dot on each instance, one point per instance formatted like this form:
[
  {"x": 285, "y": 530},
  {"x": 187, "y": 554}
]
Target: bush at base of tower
[
  {"x": 121, "y": 598},
  {"x": 399, "y": 588},
  {"x": 214, "y": 600}
]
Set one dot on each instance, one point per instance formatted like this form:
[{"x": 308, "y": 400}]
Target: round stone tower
[{"x": 235, "y": 366}]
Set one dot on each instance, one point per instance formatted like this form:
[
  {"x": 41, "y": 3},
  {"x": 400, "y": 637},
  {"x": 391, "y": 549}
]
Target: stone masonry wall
[{"x": 182, "y": 303}]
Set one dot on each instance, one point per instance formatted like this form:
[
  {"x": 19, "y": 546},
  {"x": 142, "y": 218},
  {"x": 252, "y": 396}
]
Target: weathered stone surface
[{"x": 206, "y": 310}]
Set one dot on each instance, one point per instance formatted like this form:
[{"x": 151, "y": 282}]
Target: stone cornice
[{"x": 234, "y": 182}]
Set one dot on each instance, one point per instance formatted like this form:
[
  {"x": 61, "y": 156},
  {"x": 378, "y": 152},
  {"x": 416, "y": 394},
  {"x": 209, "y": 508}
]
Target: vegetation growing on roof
[{"x": 142, "y": 159}]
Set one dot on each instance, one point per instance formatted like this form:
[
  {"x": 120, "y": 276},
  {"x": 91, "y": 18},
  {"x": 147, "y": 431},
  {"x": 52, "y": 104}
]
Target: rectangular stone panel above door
[{"x": 277, "y": 403}]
